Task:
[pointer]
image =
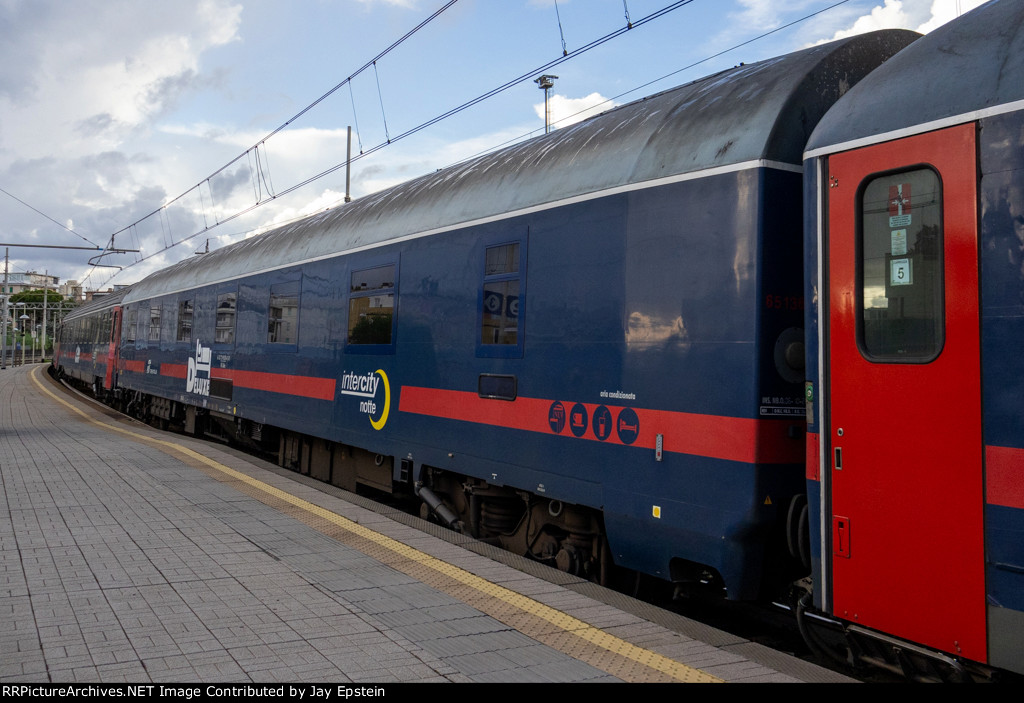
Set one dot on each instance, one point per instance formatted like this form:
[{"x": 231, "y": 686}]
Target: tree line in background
[
  {"x": 33, "y": 300},
  {"x": 31, "y": 297}
]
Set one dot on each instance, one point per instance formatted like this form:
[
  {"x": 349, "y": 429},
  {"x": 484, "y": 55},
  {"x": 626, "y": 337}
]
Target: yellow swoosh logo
[{"x": 379, "y": 424}]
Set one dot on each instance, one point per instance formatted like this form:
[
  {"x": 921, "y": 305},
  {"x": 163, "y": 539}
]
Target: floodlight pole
[
  {"x": 7, "y": 300},
  {"x": 546, "y": 83},
  {"x": 46, "y": 292},
  {"x": 348, "y": 167}
]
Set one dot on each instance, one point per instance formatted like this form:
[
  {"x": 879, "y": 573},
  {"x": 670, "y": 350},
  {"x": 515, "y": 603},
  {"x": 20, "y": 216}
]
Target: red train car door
[{"x": 905, "y": 398}]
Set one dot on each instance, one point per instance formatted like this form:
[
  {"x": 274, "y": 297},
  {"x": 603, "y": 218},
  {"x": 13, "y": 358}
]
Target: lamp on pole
[
  {"x": 17, "y": 331},
  {"x": 5, "y": 314},
  {"x": 546, "y": 83},
  {"x": 24, "y": 321},
  {"x": 46, "y": 293}
]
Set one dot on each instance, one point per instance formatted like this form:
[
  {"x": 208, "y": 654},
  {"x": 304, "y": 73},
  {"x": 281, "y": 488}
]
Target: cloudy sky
[{"x": 111, "y": 109}]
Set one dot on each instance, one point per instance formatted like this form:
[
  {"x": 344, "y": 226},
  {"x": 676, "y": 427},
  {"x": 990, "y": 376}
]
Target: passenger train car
[
  {"x": 590, "y": 347},
  {"x": 914, "y": 196}
]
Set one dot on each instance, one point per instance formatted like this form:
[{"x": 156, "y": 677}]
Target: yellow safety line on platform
[{"x": 568, "y": 623}]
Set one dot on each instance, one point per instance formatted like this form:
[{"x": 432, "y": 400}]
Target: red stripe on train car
[
  {"x": 174, "y": 370},
  {"x": 1004, "y": 476},
  {"x": 720, "y": 437},
  {"x": 303, "y": 386}
]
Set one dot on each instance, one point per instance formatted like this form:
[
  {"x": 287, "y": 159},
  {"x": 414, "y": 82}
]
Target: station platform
[{"x": 133, "y": 555}]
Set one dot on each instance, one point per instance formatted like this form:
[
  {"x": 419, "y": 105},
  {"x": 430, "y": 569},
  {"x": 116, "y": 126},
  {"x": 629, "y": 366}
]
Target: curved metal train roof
[
  {"x": 97, "y": 304},
  {"x": 971, "y": 64},
  {"x": 760, "y": 111}
]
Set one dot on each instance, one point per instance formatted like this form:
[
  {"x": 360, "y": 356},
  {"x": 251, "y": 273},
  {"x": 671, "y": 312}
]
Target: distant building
[
  {"x": 93, "y": 294},
  {"x": 71, "y": 289},
  {"x": 30, "y": 280}
]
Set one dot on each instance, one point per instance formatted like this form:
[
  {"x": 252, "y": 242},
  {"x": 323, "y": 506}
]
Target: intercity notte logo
[{"x": 365, "y": 386}]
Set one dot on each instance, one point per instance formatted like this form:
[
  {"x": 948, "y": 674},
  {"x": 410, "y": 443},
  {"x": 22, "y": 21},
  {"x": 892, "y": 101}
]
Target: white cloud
[
  {"x": 397, "y": 3},
  {"x": 888, "y": 16},
  {"x": 90, "y": 89},
  {"x": 324, "y": 201},
  {"x": 919, "y": 15},
  {"x": 80, "y": 82},
  {"x": 759, "y": 13},
  {"x": 566, "y": 111},
  {"x": 754, "y": 17},
  {"x": 943, "y": 11}
]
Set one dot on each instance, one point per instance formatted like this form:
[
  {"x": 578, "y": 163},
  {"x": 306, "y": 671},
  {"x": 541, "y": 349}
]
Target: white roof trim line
[
  {"x": 642, "y": 185},
  {"x": 917, "y": 129}
]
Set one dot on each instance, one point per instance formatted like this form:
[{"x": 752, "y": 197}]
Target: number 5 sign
[{"x": 901, "y": 272}]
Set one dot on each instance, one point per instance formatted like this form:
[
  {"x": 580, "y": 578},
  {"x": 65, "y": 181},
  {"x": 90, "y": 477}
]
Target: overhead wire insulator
[
  {"x": 381, "y": 96},
  {"x": 565, "y": 52}
]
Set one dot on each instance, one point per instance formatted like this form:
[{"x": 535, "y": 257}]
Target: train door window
[
  {"x": 501, "y": 293},
  {"x": 131, "y": 324},
  {"x": 283, "y": 318},
  {"x": 185, "y": 312},
  {"x": 226, "y": 304},
  {"x": 371, "y": 306},
  {"x": 900, "y": 267},
  {"x": 115, "y": 321},
  {"x": 103, "y": 329},
  {"x": 154, "y": 323}
]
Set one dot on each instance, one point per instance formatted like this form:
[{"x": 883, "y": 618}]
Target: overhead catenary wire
[
  {"x": 480, "y": 98},
  {"x": 283, "y": 126},
  {"x": 40, "y": 212},
  {"x": 494, "y": 91},
  {"x": 612, "y": 99},
  {"x": 391, "y": 140},
  {"x": 355, "y": 117},
  {"x": 380, "y": 95},
  {"x": 362, "y": 68}
]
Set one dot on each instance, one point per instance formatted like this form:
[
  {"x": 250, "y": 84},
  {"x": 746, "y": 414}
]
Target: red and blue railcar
[{"x": 590, "y": 347}]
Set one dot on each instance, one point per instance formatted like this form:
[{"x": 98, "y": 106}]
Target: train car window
[
  {"x": 154, "y": 323},
  {"x": 900, "y": 266},
  {"x": 283, "y": 319},
  {"x": 185, "y": 310},
  {"x": 499, "y": 322},
  {"x": 226, "y": 304},
  {"x": 371, "y": 305},
  {"x": 131, "y": 324}
]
